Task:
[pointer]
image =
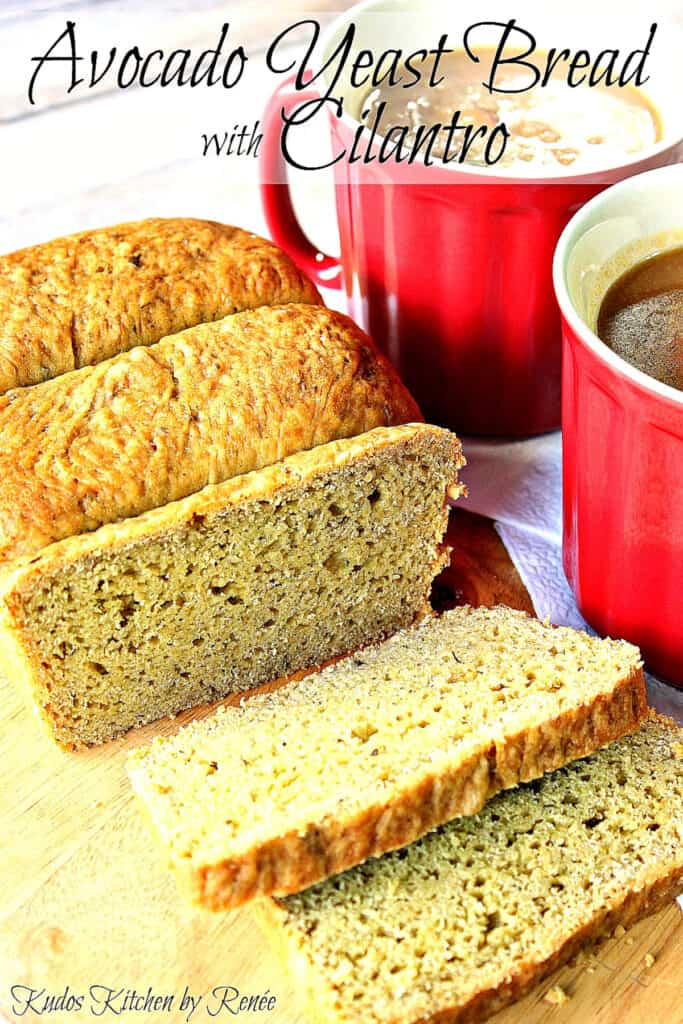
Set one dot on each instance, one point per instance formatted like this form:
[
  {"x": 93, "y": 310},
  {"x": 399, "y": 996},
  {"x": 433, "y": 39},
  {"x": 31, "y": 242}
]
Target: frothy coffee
[{"x": 552, "y": 127}]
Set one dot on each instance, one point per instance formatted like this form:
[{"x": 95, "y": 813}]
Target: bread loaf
[
  {"x": 469, "y": 918},
  {"x": 155, "y": 424},
  {"x": 245, "y": 581},
  {"x": 420, "y": 729},
  {"x": 78, "y": 300}
]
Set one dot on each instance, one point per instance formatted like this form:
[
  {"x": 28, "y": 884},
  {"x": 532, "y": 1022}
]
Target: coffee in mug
[
  {"x": 641, "y": 317},
  {"x": 548, "y": 128}
]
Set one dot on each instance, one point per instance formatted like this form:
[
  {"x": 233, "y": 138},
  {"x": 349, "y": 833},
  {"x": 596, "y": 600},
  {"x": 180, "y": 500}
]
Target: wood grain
[
  {"x": 85, "y": 901},
  {"x": 480, "y": 571}
]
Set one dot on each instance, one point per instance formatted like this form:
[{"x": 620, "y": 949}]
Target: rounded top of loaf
[
  {"x": 78, "y": 300},
  {"x": 158, "y": 423}
]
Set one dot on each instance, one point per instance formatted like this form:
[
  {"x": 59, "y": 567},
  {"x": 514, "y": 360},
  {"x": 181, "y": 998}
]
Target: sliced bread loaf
[
  {"x": 368, "y": 754},
  {"x": 245, "y": 581},
  {"x": 473, "y": 915},
  {"x": 158, "y": 423}
]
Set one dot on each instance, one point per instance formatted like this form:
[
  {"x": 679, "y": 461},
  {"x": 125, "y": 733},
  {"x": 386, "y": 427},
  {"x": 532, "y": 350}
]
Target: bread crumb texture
[
  {"x": 424, "y": 727},
  {"x": 467, "y": 919},
  {"x": 556, "y": 996},
  {"x": 246, "y": 581},
  {"x": 155, "y": 424},
  {"x": 77, "y": 300}
]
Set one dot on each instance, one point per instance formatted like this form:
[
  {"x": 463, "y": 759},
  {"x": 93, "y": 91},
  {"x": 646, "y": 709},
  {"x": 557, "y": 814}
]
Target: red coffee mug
[
  {"x": 622, "y": 432},
  {"x": 447, "y": 267}
]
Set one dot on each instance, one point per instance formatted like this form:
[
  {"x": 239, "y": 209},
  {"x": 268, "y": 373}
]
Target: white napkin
[{"x": 519, "y": 485}]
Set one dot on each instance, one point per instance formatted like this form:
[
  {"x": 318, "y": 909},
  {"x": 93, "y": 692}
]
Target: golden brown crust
[
  {"x": 295, "y": 860},
  {"x": 155, "y": 424},
  {"x": 211, "y": 500},
  {"x": 77, "y": 300}
]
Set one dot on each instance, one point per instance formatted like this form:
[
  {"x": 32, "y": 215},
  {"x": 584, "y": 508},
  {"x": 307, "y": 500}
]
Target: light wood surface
[{"x": 85, "y": 902}]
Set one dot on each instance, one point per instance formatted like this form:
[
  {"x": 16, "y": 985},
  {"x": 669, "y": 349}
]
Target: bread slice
[
  {"x": 473, "y": 915},
  {"x": 370, "y": 753},
  {"x": 156, "y": 424},
  {"x": 75, "y": 301},
  {"x": 243, "y": 582}
]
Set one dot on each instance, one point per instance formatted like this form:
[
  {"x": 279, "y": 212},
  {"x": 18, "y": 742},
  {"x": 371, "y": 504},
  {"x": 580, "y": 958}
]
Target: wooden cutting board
[{"x": 85, "y": 903}]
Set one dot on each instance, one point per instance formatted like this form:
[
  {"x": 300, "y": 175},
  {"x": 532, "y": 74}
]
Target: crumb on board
[
  {"x": 630, "y": 941},
  {"x": 648, "y": 960},
  {"x": 618, "y": 931},
  {"x": 556, "y": 996}
]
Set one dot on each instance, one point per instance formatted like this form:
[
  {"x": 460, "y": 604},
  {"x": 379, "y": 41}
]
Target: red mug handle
[{"x": 276, "y": 200}]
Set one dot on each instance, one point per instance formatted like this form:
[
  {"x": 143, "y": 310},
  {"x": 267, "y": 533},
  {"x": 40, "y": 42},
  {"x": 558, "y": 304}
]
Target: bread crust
[
  {"x": 155, "y": 424},
  {"x": 660, "y": 882},
  {"x": 77, "y": 300},
  {"x": 295, "y": 860}
]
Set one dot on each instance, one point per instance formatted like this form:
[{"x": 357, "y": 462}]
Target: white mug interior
[{"x": 413, "y": 24}]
